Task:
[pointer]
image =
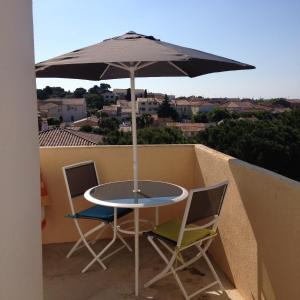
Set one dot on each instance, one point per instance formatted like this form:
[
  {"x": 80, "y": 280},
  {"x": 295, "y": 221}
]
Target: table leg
[
  {"x": 136, "y": 250},
  {"x": 156, "y": 215}
]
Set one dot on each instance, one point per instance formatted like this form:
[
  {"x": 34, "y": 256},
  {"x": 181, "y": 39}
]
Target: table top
[{"x": 150, "y": 194}]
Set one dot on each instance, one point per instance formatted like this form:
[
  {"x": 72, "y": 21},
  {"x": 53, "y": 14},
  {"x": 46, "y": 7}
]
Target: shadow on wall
[{"x": 272, "y": 205}]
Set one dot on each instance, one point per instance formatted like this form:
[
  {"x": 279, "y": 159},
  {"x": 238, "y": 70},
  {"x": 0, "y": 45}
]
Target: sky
[{"x": 265, "y": 34}]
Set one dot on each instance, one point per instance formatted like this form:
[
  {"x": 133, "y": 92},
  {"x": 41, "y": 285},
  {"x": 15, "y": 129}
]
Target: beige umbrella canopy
[{"x": 135, "y": 55}]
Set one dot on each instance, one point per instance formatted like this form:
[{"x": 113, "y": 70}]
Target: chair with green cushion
[{"x": 203, "y": 205}]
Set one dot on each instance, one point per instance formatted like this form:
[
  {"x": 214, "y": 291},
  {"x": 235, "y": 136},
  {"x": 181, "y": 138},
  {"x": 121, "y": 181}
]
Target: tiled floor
[{"x": 63, "y": 279}]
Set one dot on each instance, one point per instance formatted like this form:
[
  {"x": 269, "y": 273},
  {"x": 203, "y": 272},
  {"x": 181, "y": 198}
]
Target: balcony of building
[{"x": 256, "y": 252}]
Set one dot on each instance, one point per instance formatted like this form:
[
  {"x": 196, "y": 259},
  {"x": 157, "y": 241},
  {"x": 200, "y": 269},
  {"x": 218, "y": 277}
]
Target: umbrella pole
[{"x": 133, "y": 130}]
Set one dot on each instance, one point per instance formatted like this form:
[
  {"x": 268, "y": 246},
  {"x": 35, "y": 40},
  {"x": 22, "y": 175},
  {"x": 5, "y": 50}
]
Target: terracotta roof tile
[{"x": 61, "y": 137}]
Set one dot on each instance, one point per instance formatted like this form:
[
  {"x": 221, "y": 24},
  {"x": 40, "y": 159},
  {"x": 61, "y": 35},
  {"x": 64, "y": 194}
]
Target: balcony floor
[{"x": 63, "y": 279}]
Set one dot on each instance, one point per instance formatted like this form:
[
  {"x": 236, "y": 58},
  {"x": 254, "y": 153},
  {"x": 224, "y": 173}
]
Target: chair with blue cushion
[
  {"x": 79, "y": 178},
  {"x": 203, "y": 205}
]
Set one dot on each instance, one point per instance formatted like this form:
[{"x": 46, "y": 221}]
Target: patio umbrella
[{"x": 134, "y": 55}]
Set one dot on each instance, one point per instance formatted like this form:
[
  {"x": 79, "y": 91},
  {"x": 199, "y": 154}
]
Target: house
[
  {"x": 295, "y": 103},
  {"x": 111, "y": 110},
  {"x": 183, "y": 108},
  {"x": 190, "y": 129},
  {"x": 186, "y": 108},
  {"x": 67, "y": 109},
  {"x": 125, "y": 109},
  {"x": 50, "y": 110},
  {"x": 60, "y": 137},
  {"x": 148, "y": 105},
  {"x": 73, "y": 109},
  {"x": 122, "y": 93},
  {"x": 160, "y": 96},
  {"x": 243, "y": 106},
  {"x": 109, "y": 96},
  {"x": 90, "y": 121}
]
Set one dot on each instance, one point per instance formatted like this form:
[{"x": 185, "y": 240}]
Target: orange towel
[{"x": 44, "y": 200}]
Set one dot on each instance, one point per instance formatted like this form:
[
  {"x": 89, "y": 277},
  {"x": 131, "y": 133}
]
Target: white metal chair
[
  {"x": 78, "y": 178},
  {"x": 203, "y": 204}
]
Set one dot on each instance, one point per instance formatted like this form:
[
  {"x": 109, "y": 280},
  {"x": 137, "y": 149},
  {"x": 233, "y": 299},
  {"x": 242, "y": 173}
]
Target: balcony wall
[
  {"x": 259, "y": 242},
  {"x": 174, "y": 164}
]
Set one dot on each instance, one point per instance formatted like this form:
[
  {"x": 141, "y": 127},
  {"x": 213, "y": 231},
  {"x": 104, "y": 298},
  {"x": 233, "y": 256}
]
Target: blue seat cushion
[{"x": 99, "y": 212}]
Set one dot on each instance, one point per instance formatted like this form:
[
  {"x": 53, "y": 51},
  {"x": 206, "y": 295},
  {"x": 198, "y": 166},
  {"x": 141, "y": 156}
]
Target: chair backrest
[
  {"x": 80, "y": 177},
  {"x": 205, "y": 202},
  {"x": 201, "y": 204}
]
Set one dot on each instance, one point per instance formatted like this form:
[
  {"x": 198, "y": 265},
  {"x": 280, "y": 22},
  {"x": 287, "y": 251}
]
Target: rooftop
[
  {"x": 58, "y": 137},
  {"x": 47, "y": 106}
]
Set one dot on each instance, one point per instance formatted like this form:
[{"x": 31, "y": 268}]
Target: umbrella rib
[
  {"x": 145, "y": 65},
  {"x": 103, "y": 73},
  {"x": 176, "y": 67},
  {"x": 119, "y": 66}
]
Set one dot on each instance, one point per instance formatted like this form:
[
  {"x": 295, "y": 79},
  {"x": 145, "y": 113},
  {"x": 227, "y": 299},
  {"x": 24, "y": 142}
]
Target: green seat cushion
[{"x": 170, "y": 230}]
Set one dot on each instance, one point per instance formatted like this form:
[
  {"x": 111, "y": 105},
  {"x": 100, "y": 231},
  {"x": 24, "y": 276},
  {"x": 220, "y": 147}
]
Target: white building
[
  {"x": 69, "y": 109},
  {"x": 111, "y": 110},
  {"x": 148, "y": 105},
  {"x": 50, "y": 110},
  {"x": 109, "y": 96},
  {"x": 122, "y": 93},
  {"x": 73, "y": 109}
]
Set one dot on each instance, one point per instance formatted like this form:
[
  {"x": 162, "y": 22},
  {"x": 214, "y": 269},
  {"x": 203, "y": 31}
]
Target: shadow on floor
[{"x": 63, "y": 279}]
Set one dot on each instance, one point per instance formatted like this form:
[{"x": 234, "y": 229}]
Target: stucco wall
[
  {"x": 259, "y": 241},
  {"x": 174, "y": 164},
  {"x": 20, "y": 212}
]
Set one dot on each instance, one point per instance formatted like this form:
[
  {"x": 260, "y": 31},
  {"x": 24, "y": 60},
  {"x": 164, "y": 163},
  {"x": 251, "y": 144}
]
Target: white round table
[{"x": 150, "y": 194}]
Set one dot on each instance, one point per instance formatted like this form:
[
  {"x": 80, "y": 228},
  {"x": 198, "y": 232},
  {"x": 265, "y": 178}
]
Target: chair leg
[
  {"x": 179, "y": 257},
  {"x": 97, "y": 257},
  {"x": 169, "y": 269},
  {"x": 213, "y": 271},
  {"x": 165, "y": 270},
  {"x": 93, "y": 242},
  {"x": 186, "y": 296},
  {"x": 85, "y": 235},
  {"x": 74, "y": 248}
]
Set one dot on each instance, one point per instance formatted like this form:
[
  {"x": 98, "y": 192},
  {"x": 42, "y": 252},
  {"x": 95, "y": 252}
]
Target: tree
[
  {"x": 58, "y": 92},
  {"x": 165, "y": 110},
  {"x": 128, "y": 94},
  {"x": 109, "y": 123},
  {"x": 144, "y": 121},
  {"x": 147, "y": 136},
  {"x": 281, "y": 102},
  {"x": 48, "y": 91},
  {"x": 270, "y": 143},
  {"x": 41, "y": 95},
  {"x": 145, "y": 94},
  {"x": 94, "y": 101},
  {"x": 218, "y": 115},
  {"x": 79, "y": 92},
  {"x": 200, "y": 117},
  {"x": 104, "y": 87},
  {"x": 53, "y": 122},
  {"x": 95, "y": 90},
  {"x": 86, "y": 128}
]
